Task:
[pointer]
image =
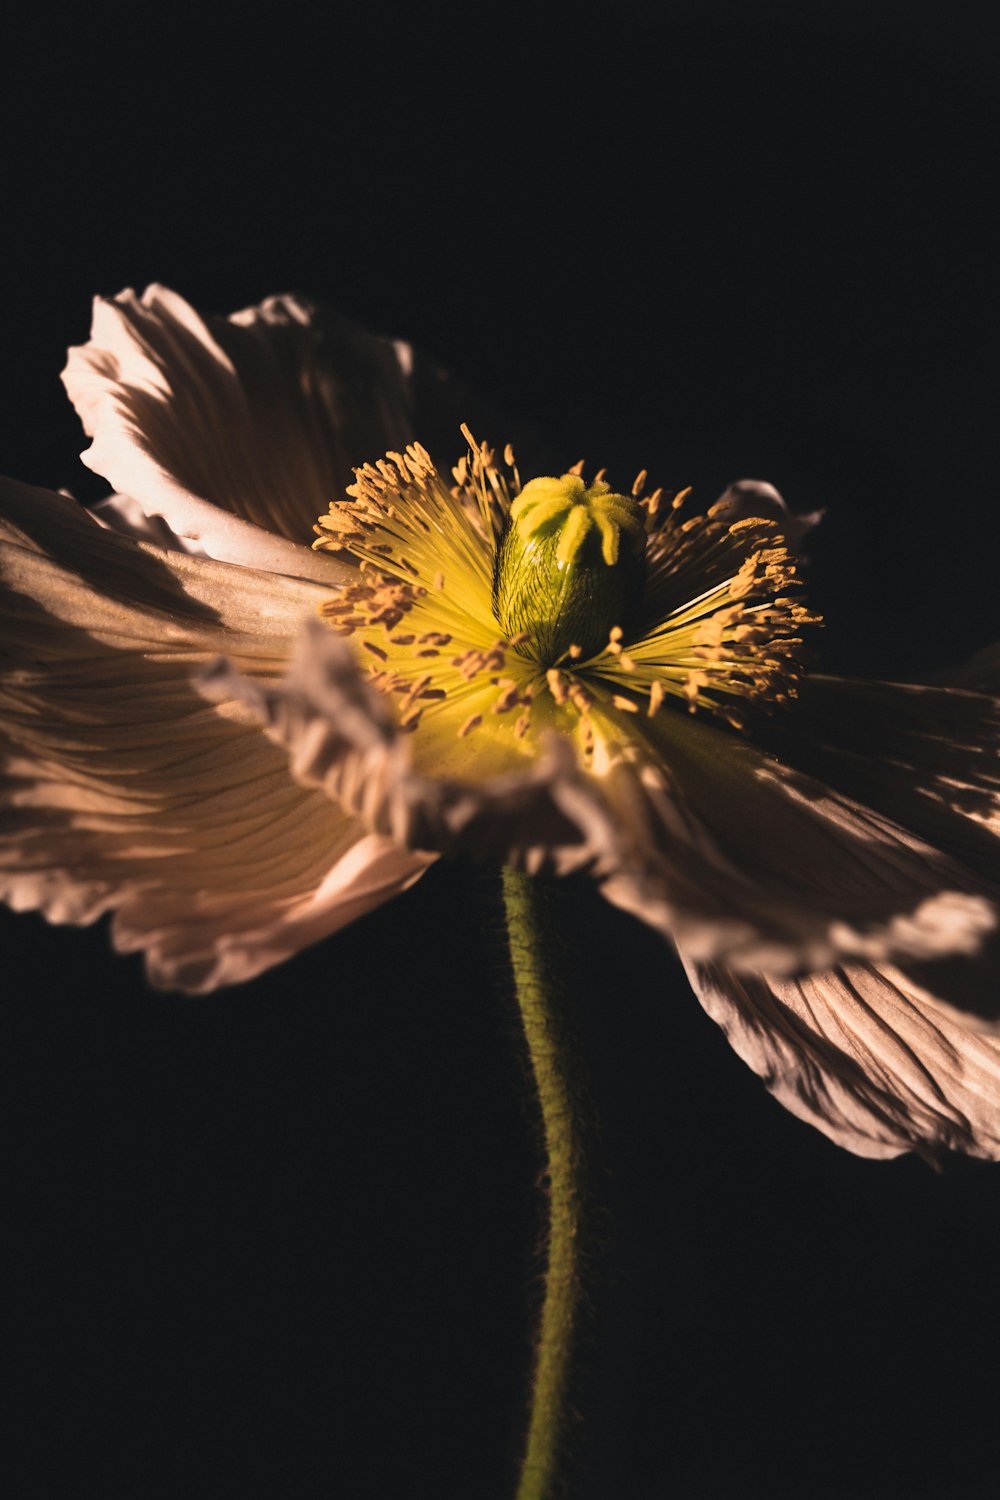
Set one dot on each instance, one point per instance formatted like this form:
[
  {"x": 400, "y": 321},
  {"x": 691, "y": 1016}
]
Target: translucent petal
[
  {"x": 263, "y": 414},
  {"x": 122, "y": 791},
  {"x": 203, "y": 530},
  {"x": 743, "y": 858},
  {"x": 864, "y": 1056}
]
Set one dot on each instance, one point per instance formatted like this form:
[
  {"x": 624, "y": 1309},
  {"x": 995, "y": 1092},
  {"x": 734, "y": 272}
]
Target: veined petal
[
  {"x": 122, "y": 791},
  {"x": 741, "y": 858},
  {"x": 341, "y": 735},
  {"x": 864, "y": 1056},
  {"x": 927, "y": 757},
  {"x": 264, "y": 413}
]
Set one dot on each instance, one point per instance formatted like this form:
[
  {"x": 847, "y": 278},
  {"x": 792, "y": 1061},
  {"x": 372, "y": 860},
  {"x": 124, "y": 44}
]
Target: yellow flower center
[{"x": 490, "y": 609}]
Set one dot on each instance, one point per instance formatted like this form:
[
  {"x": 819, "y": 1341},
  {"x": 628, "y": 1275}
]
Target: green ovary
[{"x": 569, "y": 568}]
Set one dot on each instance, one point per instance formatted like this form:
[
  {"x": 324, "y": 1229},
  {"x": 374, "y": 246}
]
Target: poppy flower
[{"x": 249, "y": 697}]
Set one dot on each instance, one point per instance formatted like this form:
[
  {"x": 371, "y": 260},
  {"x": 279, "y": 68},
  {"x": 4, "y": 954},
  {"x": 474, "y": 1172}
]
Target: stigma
[{"x": 569, "y": 568}]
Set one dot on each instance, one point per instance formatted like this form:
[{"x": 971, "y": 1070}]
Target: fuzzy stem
[{"x": 536, "y": 986}]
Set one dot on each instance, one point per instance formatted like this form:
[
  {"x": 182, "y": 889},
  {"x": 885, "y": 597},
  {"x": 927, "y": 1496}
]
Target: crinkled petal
[
  {"x": 926, "y": 758},
  {"x": 712, "y": 842},
  {"x": 122, "y": 791},
  {"x": 864, "y": 1056},
  {"x": 340, "y": 735},
  {"x": 263, "y": 414},
  {"x": 742, "y": 858}
]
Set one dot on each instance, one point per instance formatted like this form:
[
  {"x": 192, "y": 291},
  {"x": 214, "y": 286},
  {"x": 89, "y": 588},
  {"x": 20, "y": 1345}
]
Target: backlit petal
[
  {"x": 122, "y": 791},
  {"x": 263, "y": 413},
  {"x": 927, "y": 758},
  {"x": 863, "y": 1055},
  {"x": 742, "y": 858},
  {"x": 203, "y": 530}
]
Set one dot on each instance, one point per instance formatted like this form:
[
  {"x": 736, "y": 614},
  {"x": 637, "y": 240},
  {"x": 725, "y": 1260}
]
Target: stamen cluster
[{"x": 706, "y": 616}]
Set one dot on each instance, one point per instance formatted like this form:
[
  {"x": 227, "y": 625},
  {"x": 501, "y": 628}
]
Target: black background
[{"x": 281, "y": 1241}]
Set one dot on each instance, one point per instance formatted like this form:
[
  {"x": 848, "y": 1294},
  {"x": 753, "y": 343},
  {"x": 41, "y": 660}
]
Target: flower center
[
  {"x": 569, "y": 568},
  {"x": 490, "y": 608}
]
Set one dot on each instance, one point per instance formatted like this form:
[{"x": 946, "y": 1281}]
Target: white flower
[{"x": 189, "y": 745}]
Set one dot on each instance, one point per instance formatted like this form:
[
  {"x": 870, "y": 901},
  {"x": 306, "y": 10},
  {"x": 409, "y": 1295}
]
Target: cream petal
[
  {"x": 744, "y": 859},
  {"x": 120, "y": 514},
  {"x": 47, "y": 534},
  {"x": 263, "y": 414},
  {"x": 206, "y": 531},
  {"x": 340, "y": 735},
  {"x": 927, "y": 757},
  {"x": 122, "y": 791},
  {"x": 864, "y": 1056}
]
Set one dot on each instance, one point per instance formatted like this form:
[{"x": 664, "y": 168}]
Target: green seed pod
[{"x": 569, "y": 568}]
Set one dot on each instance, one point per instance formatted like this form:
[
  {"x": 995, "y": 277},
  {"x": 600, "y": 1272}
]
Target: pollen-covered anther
[
  {"x": 557, "y": 684},
  {"x": 581, "y": 699},
  {"x": 711, "y": 632},
  {"x": 470, "y": 663},
  {"x": 749, "y": 635},
  {"x": 414, "y": 691},
  {"x": 509, "y": 698},
  {"x": 471, "y": 723},
  {"x": 692, "y": 689}
]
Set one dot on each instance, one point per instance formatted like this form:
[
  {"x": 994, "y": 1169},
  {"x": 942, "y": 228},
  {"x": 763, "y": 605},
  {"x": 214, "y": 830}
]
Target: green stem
[{"x": 537, "y": 982}]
